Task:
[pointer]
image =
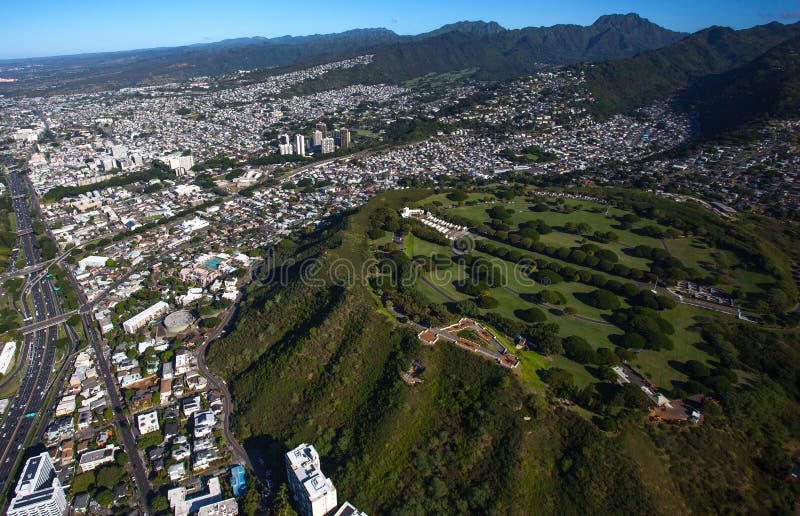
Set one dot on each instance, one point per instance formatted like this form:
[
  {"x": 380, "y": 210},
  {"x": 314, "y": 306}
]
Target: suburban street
[{"x": 118, "y": 406}]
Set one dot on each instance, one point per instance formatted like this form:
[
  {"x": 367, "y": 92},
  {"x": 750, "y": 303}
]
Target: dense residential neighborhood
[{"x": 140, "y": 223}]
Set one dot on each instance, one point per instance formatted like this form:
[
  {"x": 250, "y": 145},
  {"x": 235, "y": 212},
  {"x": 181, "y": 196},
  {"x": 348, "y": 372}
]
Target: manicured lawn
[
  {"x": 749, "y": 281},
  {"x": 444, "y": 202},
  {"x": 580, "y": 374},
  {"x": 655, "y": 365},
  {"x": 365, "y": 132},
  {"x": 595, "y": 334},
  {"x": 537, "y": 256},
  {"x": 385, "y": 239},
  {"x": 430, "y": 294},
  {"x": 693, "y": 252},
  {"x": 599, "y": 221},
  {"x": 414, "y": 246},
  {"x": 529, "y": 363},
  {"x": 409, "y": 245},
  {"x": 440, "y": 279}
]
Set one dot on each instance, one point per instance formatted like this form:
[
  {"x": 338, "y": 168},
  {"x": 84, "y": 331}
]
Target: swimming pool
[{"x": 213, "y": 263}]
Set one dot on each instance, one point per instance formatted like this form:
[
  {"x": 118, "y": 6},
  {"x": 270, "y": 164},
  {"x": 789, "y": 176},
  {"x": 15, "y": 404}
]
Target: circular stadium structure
[{"x": 179, "y": 321}]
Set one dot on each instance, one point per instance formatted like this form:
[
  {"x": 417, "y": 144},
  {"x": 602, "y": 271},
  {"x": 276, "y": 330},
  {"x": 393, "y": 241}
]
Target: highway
[
  {"x": 47, "y": 323},
  {"x": 16, "y": 427}
]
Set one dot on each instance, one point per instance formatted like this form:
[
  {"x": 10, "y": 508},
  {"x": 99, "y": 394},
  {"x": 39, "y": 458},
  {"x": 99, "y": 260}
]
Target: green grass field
[
  {"x": 693, "y": 252},
  {"x": 656, "y": 366},
  {"x": 599, "y": 221},
  {"x": 439, "y": 79}
]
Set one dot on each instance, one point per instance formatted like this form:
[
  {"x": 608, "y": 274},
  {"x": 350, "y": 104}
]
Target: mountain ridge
[
  {"x": 480, "y": 28},
  {"x": 454, "y": 46},
  {"x": 503, "y": 55},
  {"x": 766, "y": 87},
  {"x": 621, "y": 85}
]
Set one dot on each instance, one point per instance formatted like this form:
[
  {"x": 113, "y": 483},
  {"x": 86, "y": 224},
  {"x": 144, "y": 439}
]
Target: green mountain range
[
  {"x": 767, "y": 87},
  {"x": 496, "y": 52},
  {"x": 622, "y": 85},
  {"x": 503, "y": 54}
]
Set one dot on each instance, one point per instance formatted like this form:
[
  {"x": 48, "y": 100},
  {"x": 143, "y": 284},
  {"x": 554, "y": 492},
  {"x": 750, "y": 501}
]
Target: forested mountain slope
[
  {"x": 622, "y": 85},
  {"x": 320, "y": 361},
  {"x": 768, "y": 87}
]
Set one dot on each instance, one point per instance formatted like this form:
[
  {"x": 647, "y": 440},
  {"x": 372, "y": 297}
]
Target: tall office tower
[
  {"x": 316, "y": 138},
  {"x": 321, "y": 127},
  {"x": 300, "y": 144},
  {"x": 284, "y": 139},
  {"x": 285, "y": 148},
  {"x": 38, "y": 491},
  {"x": 344, "y": 137}
]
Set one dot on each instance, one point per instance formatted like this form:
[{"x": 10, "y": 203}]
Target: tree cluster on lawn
[
  {"x": 644, "y": 329},
  {"x": 384, "y": 220},
  {"x": 587, "y": 255},
  {"x": 150, "y": 440}
]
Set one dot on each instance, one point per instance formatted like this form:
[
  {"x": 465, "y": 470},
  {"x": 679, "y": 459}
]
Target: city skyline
[{"x": 46, "y": 28}]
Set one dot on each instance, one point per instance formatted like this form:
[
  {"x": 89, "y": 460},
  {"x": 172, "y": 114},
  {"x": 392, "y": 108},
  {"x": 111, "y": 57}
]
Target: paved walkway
[{"x": 437, "y": 289}]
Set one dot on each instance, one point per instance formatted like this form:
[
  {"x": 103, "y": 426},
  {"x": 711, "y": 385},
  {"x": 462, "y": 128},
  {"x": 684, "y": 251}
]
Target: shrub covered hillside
[{"x": 316, "y": 361}]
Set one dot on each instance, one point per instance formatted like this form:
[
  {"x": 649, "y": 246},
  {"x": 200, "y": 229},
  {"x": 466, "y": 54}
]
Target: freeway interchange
[
  {"x": 17, "y": 426},
  {"x": 40, "y": 352}
]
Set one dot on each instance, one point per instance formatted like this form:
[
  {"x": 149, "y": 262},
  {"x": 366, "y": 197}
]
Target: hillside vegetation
[
  {"x": 501, "y": 55},
  {"x": 620, "y": 86},
  {"x": 768, "y": 87},
  {"x": 319, "y": 360}
]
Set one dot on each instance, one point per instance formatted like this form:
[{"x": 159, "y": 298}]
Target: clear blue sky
[{"x": 57, "y": 27}]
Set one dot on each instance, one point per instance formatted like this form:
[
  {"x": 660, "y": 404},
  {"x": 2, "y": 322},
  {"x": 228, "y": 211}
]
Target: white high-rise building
[
  {"x": 119, "y": 151},
  {"x": 316, "y": 138},
  {"x": 314, "y": 493},
  {"x": 180, "y": 164},
  {"x": 328, "y": 146},
  {"x": 285, "y": 149},
  {"x": 108, "y": 163},
  {"x": 300, "y": 144},
  {"x": 38, "y": 492},
  {"x": 284, "y": 139}
]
